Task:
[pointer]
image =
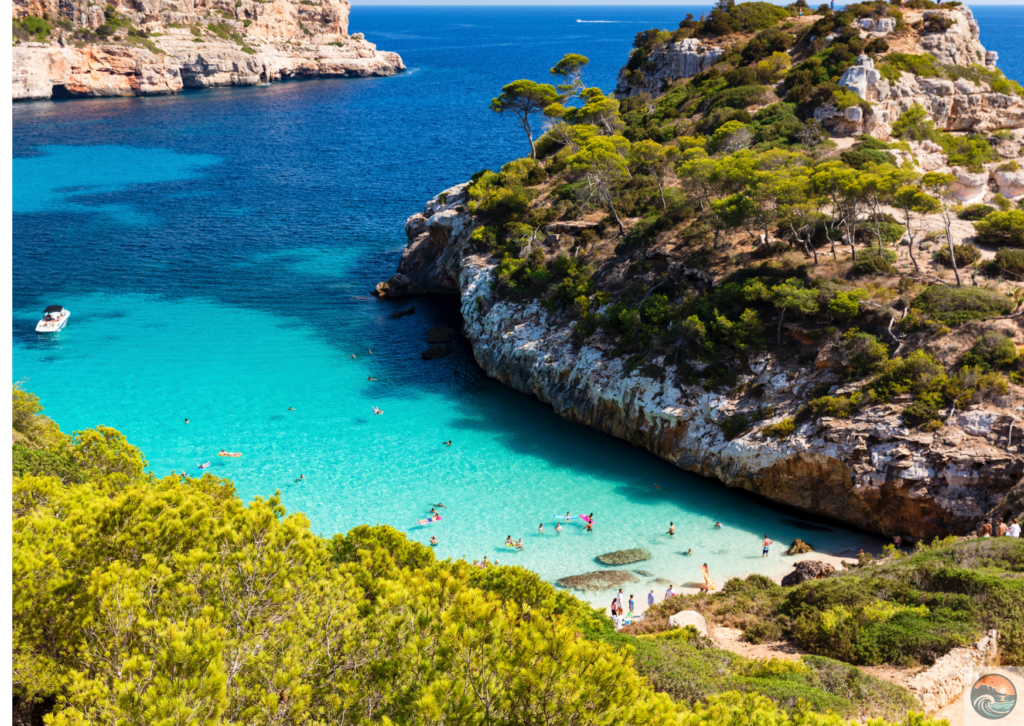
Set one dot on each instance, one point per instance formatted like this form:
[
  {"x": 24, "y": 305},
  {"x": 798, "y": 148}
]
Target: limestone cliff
[
  {"x": 953, "y": 104},
  {"x": 157, "y": 47},
  {"x": 666, "y": 64},
  {"x": 870, "y": 470}
]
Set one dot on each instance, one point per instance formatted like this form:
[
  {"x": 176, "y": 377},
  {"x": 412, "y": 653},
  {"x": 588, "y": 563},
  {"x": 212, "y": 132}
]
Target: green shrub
[
  {"x": 860, "y": 158},
  {"x": 1002, "y": 229},
  {"x": 992, "y": 350},
  {"x": 920, "y": 65},
  {"x": 971, "y": 151},
  {"x": 780, "y": 430},
  {"x": 873, "y": 262},
  {"x": 954, "y": 305},
  {"x": 866, "y": 353},
  {"x": 742, "y": 18},
  {"x": 733, "y": 426},
  {"x": 914, "y": 124},
  {"x": 1008, "y": 263},
  {"x": 835, "y": 406},
  {"x": 964, "y": 254},
  {"x": 767, "y": 667},
  {"x": 974, "y": 212},
  {"x": 740, "y": 97},
  {"x": 32, "y": 28}
]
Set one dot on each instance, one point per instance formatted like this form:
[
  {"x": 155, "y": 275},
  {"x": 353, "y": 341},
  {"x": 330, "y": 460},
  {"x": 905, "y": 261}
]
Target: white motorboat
[{"x": 54, "y": 318}]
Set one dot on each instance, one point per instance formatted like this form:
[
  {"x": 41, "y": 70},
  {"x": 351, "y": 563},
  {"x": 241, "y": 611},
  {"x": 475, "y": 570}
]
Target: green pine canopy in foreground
[{"x": 140, "y": 600}]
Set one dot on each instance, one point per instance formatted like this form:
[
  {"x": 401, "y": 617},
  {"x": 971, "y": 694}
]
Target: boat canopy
[{"x": 53, "y": 309}]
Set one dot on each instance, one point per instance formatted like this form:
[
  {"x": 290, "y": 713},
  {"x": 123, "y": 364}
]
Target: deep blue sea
[{"x": 217, "y": 250}]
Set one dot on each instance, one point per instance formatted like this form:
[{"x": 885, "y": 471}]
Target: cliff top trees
[
  {"x": 571, "y": 68},
  {"x": 657, "y": 160},
  {"x": 523, "y": 99},
  {"x": 600, "y": 164}
]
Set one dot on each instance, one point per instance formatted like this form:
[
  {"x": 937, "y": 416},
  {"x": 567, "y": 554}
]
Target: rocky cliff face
[
  {"x": 954, "y": 105},
  {"x": 668, "y": 63},
  {"x": 155, "y": 47},
  {"x": 869, "y": 470}
]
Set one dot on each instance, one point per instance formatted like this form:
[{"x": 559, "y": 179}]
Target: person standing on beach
[
  {"x": 630, "y": 603},
  {"x": 650, "y": 599},
  {"x": 765, "y": 545},
  {"x": 618, "y": 599},
  {"x": 671, "y": 528}
]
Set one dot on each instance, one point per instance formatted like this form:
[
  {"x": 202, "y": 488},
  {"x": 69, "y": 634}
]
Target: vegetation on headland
[
  {"x": 721, "y": 221},
  {"x": 903, "y": 610},
  {"x": 145, "y": 600}
]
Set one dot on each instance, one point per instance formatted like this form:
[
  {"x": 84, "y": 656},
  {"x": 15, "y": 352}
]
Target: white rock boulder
[{"x": 689, "y": 617}]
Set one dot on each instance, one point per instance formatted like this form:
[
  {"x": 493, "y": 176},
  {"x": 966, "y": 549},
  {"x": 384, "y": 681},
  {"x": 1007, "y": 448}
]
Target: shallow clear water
[{"x": 217, "y": 249}]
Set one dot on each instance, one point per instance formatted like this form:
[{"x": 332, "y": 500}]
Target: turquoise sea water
[{"x": 217, "y": 249}]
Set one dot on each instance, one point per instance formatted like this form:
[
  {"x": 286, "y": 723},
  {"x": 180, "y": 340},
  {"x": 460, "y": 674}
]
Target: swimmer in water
[
  {"x": 369, "y": 351},
  {"x": 671, "y": 528},
  {"x": 301, "y": 477},
  {"x": 447, "y": 443},
  {"x": 370, "y": 379},
  {"x": 689, "y": 552},
  {"x": 718, "y": 525},
  {"x": 519, "y": 544},
  {"x": 290, "y": 408},
  {"x": 433, "y": 540},
  {"x": 657, "y": 487},
  {"x": 186, "y": 420},
  {"x": 540, "y": 529},
  {"x": 439, "y": 505},
  {"x": 558, "y": 527},
  {"x": 508, "y": 541},
  {"x": 352, "y": 356}
]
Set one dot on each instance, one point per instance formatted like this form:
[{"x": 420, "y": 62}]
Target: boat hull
[{"x": 52, "y": 326}]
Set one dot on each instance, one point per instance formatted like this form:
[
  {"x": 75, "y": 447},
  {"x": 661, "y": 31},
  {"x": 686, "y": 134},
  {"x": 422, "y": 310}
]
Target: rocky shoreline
[
  {"x": 869, "y": 470},
  {"x": 161, "y": 51}
]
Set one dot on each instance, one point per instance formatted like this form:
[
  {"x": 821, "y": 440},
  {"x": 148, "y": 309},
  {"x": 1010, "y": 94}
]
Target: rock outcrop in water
[
  {"x": 870, "y": 470},
  {"x": 624, "y": 557},
  {"x": 160, "y": 48},
  {"x": 597, "y": 581}
]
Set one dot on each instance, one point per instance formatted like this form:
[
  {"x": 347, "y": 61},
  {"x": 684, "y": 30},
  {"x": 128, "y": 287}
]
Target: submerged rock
[
  {"x": 643, "y": 573},
  {"x": 624, "y": 557},
  {"x": 595, "y": 581},
  {"x": 402, "y": 313},
  {"x": 439, "y": 334},
  {"x": 436, "y": 351},
  {"x": 799, "y": 547},
  {"x": 808, "y": 570}
]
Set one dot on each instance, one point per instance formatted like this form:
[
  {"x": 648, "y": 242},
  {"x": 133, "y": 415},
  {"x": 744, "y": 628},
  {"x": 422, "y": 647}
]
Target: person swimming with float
[{"x": 509, "y": 542}]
